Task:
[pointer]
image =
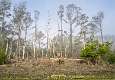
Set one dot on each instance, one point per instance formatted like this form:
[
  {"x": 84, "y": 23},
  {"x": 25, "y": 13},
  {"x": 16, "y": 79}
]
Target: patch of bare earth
[{"x": 47, "y": 67}]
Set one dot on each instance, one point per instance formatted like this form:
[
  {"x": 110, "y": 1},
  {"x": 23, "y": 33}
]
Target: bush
[
  {"x": 94, "y": 51},
  {"x": 2, "y": 56},
  {"x": 104, "y": 48},
  {"x": 3, "y": 41},
  {"x": 89, "y": 52},
  {"x": 111, "y": 58}
]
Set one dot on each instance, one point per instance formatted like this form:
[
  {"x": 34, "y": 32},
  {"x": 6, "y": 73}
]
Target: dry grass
[{"x": 44, "y": 68}]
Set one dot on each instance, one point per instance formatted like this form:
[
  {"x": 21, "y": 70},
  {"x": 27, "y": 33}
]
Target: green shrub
[
  {"x": 111, "y": 58},
  {"x": 3, "y": 41},
  {"x": 89, "y": 52},
  {"x": 2, "y": 56},
  {"x": 104, "y": 48},
  {"x": 94, "y": 51}
]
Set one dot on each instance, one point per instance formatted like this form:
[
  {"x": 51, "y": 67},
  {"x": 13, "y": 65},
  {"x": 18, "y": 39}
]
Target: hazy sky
[{"x": 90, "y": 7}]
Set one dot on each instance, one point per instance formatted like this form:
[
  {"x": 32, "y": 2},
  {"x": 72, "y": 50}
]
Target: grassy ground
[{"x": 45, "y": 69}]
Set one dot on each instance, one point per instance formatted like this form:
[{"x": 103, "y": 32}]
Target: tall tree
[
  {"x": 39, "y": 36},
  {"x": 98, "y": 21},
  {"x": 27, "y": 24},
  {"x": 83, "y": 25},
  {"x": 61, "y": 15},
  {"x": 36, "y": 18},
  {"x": 18, "y": 19},
  {"x": 39, "y": 41},
  {"x": 72, "y": 17},
  {"x": 5, "y": 6},
  {"x": 93, "y": 29}
]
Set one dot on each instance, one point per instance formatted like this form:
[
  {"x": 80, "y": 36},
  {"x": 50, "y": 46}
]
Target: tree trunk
[
  {"x": 101, "y": 33},
  {"x": 24, "y": 47},
  {"x": 16, "y": 52},
  {"x": 71, "y": 39},
  {"x": 47, "y": 44},
  {"x": 23, "y": 52},
  {"x": 84, "y": 39},
  {"x": 61, "y": 39},
  {"x": 19, "y": 38},
  {"x": 65, "y": 52},
  {"x": 53, "y": 51},
  {"x": 6, "y": 47},
  {"x": 34, "y": 49},
  {"x": 39, "y": 47},
  {"x": 10, "y": 52},
  {"x": 42, "y": 53}
]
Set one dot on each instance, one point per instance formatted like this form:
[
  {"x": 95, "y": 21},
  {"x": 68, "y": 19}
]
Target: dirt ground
[{"x": 47, "y": 67}]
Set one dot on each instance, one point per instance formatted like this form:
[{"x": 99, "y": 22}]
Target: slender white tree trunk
[
  {"x": 42, "y": 53},
  {"x": 101, "y": 33},
  {"x": 34, "y": 49},
  {"x": 65, "y": 52},
  {"x": 84, "y": 40},
  {"x": 19, "y": 39},
  {"x": 54, "y": 52},
  {"x": 24, "y": 47},
  {"x": 71, "y": 46},
  {"x": 23, "y": 52},
  {"x": 10, "y": 52},
  {"x": 16, "y": 52},
  {"x": 6, "y": 47}
]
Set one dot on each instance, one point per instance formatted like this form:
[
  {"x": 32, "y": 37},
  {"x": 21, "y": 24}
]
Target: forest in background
[
  {"x": 16, "y": 43},
  {"x": 69, "y": 55}
]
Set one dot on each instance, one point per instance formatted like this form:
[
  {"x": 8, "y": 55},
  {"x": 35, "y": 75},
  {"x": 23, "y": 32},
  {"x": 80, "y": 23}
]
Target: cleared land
[{"x": 50, "y": 69}]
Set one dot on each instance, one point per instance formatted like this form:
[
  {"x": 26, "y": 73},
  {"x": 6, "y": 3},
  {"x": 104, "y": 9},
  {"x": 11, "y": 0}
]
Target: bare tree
[
  {"x": 98, "y": 21},
  {"x": 83, "y": 25},
  {"x": 27, "y": 24},
  {"x": 93, "y": 29},
  {"x": 5, "y": 6},
  {"x": 36, "y": 18},
  {"x": 61, "y": 15},
  {"x": 72, "y": 17},
  {"x": 47, "y": 33},
  {"x": 19, "y": 13},
  {"x": 39, "y": 38}
]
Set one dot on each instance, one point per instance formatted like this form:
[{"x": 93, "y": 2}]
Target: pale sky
[{"x": 90, "y": 7}]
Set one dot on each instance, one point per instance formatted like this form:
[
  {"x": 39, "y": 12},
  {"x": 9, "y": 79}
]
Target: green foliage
[
  {"x": 90, "y": 51},
  {"x": 94, "y": 51},
  {"x": 2, "y": 49},
  {"x": 111, "y": 58},
  {"x": 104, "y": 48},
  {"x": 2, "y": 56}
]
